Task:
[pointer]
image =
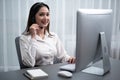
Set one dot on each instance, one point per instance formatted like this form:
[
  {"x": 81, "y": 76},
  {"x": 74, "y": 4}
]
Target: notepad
[{"x": 35, "y": 73}]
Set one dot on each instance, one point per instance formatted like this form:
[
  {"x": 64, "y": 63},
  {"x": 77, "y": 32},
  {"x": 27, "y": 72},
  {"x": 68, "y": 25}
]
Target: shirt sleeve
[
  {"x": 28, "y": 50},
  {"x": 61, "y": 52}
]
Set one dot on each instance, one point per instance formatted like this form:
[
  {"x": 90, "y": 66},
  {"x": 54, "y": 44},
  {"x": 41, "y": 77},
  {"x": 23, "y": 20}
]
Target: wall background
[{"x": 13, "y": 19}]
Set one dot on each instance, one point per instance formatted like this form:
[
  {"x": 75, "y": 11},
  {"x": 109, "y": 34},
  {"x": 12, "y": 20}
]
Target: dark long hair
[{"x": 31, "y": 18}]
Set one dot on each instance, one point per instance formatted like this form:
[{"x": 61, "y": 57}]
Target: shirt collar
[{"x": 40, "y": 39}]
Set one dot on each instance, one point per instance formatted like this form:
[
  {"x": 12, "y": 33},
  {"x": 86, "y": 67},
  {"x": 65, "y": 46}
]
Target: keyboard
[{"x": 68, "y": 67}]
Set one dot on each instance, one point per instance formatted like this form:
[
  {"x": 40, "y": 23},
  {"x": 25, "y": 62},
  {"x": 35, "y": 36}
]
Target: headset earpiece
[{"x": 33, "y": 20}]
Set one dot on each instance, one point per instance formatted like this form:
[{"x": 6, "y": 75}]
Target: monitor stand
[{"x": 105, "y": 59}]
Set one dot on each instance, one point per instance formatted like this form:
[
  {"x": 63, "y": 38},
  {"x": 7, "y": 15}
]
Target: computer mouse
[{"x": 65, "y": 74}]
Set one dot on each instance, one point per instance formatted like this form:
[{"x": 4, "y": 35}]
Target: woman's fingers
[
  {"x": 34, "y": 29},
  {"x": 34, "y": 26},
  {"x": 71, "y": 60}
]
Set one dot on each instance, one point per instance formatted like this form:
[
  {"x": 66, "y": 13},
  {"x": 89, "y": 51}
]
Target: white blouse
[{"x": 41, "y": 51}]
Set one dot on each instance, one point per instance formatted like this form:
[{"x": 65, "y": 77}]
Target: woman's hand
[
  {"x": 34, "y": 29},
  {"x": 71, "y": 60}
]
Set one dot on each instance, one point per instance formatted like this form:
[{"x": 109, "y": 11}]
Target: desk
[{"x": 53, "y": 69}]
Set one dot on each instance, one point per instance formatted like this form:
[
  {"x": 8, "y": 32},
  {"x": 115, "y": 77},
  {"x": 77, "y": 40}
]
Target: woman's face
[{"x": 42, "y": 17}]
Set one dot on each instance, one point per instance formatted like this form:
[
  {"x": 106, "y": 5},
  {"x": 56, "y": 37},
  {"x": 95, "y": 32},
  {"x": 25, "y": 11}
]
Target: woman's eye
[
  {"x": 41, "y": 14},
  {"x": 47, "y": 14}
]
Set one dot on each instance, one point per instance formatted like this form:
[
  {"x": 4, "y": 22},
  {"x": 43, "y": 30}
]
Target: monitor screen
[{"x": 90, "y": 22}]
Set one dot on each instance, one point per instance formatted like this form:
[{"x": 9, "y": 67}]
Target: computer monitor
[{"x": 93, "y": 39}]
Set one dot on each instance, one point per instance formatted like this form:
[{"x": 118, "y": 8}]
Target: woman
[{"x": 38, "y": 45}]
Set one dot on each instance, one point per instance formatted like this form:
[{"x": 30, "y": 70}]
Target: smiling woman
[
  {"x": 14, "y": 15},
  {"x": 38, "y": 45}
]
